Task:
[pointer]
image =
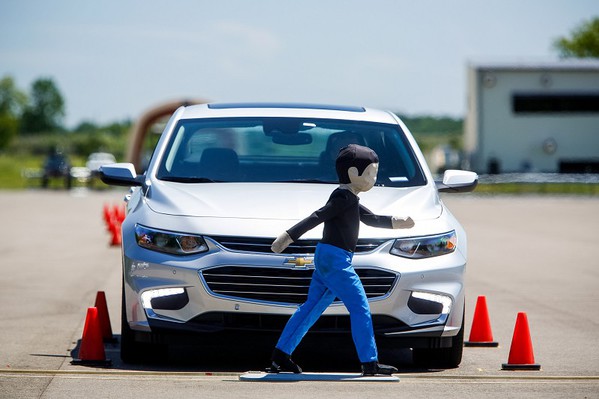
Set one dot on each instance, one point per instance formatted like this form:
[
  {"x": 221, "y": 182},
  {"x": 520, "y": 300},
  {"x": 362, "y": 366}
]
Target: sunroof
[{"x": 287, "y": 105}]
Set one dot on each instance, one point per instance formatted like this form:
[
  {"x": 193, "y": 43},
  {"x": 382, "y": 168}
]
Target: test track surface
[{"x": 509, "y": 376}]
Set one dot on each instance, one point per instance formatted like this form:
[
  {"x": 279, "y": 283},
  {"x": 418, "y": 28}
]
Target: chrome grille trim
[
  {"x": 283, "y": 285},
  {"x": 262, "y": 245}
]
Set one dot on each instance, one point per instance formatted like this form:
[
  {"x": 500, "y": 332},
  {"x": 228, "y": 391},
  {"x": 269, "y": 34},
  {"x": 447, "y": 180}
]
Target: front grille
[
  {"x": 283, "y": 285},
  {"x": 253, "y": 244},
  {"x": 220, "y": 321}
]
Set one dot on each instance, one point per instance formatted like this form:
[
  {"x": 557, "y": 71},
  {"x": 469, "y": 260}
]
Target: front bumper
[{"x": 196, "y": 308}]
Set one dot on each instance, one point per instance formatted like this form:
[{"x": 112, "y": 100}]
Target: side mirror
[
  {"x": 120, "y": 174},
  {"x": 457, "y": 181}
]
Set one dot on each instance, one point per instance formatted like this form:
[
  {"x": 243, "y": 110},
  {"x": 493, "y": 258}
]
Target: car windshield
[{"x": 282, "y": 150}]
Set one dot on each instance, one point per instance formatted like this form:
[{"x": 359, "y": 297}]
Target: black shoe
[
  {"x": 374, "y": 368},
  {"x": 281, "y": 361}
]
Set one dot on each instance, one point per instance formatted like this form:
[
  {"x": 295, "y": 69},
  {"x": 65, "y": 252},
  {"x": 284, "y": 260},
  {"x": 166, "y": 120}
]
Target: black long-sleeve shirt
[{"x": 341, "y": 216}]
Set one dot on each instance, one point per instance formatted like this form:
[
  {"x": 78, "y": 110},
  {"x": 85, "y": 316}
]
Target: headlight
[
  {"x": 169, "y": 241},
  {"x": 426, "y": 246}
]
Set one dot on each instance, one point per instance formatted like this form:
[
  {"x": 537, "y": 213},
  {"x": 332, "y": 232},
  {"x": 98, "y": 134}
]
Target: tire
[
  {"x": 441, "y": 358},
  {"x": 131, "y": 351},
  {"x": 137, "y": 352}
]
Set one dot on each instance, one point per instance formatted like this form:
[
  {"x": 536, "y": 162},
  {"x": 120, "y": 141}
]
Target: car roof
[{"x": 300, "y": 110}]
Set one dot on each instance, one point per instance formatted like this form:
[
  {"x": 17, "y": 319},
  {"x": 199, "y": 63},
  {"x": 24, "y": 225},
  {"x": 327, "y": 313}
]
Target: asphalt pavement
[{"x": 532, "y": 254}]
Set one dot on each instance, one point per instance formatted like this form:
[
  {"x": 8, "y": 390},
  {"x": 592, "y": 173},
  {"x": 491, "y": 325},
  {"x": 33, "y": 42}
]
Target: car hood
[{"x": 282, "y": 201}]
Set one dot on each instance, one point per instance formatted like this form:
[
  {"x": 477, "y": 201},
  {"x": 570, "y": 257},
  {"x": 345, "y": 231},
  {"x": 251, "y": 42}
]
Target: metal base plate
[{"x": 259, "y": 376}]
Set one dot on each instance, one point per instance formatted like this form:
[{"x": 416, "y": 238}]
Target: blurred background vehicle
[
  {"x": 94, "y": 162},
  {"x": 58, "y": 166}
]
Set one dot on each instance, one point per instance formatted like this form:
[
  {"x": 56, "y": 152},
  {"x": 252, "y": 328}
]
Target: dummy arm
[{"x": 389, "y": 222}]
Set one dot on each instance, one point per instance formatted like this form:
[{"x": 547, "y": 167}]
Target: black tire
[
  {"x": 131, "y": 351},
  {"x": 137, "y": 352},
  {"x": 441, "y": 358}
]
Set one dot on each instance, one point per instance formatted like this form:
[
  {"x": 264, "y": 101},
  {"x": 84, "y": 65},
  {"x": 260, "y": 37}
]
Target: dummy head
[{"x": 357, "y": 166}]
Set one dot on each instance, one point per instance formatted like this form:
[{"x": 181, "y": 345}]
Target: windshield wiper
[{"x": 179, "y": 179}]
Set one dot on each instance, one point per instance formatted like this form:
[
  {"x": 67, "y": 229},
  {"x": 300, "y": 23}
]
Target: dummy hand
[
  {"x": 281, "y": 243},
  {"x": 402, "y": 222}
]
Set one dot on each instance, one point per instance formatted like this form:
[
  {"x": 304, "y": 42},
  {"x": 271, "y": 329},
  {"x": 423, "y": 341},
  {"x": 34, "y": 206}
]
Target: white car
[
  {"x": 97, "y": 160},
  {"x": 226, "y": 179}
]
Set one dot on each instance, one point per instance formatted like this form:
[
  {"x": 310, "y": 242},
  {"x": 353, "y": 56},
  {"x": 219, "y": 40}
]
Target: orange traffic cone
[
  {"x": 91, "y": 350},
  {"x": 115, "y": 230},
  {"x": 480, "y": 333},
  {"x": 109, "y": 222},
  {"x": 119, "y": 213},
  {"x": 103, "y": 317},
  {"x": 106, "y": 213},
  {"x": 109, "y": 218},
  {"x": 521, "y": 354}
]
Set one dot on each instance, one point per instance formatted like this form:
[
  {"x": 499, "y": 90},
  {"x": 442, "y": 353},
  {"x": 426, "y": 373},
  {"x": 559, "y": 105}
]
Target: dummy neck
[{"x": 349, "y": 187}]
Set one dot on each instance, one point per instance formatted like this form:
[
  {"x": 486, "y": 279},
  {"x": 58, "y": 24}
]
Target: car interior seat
[
  {"x": 335, "y": 142},
  {"x": 219, "y": 164}
]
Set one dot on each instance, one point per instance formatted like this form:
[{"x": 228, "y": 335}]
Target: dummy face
[{"x": 365, "y": 181}]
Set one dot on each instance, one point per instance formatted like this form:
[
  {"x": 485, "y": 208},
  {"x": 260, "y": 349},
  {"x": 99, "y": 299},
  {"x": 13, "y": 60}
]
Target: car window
[{"x": 282, "y": 150}]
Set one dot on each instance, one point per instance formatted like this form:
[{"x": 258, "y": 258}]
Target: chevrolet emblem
[{"x": 299, "y": 261}]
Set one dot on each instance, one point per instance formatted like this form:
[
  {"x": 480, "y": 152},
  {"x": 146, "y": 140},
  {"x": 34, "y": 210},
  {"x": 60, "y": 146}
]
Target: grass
[
  {"x": 539, "y": 188},
  {"x": 12, "y": 169},
  {"x": 19, "y": 172}
]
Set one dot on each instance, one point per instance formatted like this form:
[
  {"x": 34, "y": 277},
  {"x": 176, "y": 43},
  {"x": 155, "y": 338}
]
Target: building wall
[{"x": 529, "y": 141}]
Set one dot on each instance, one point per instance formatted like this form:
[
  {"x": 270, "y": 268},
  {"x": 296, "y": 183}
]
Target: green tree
[
  {"x": 583, "y": 43},
  {"x": 12, "y": 102},
  {"x": 86, "y": 127},
  {"x": 45, "y": 110}
]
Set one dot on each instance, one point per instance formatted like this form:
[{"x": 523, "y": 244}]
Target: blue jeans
[{"x": 334, "y": 276}]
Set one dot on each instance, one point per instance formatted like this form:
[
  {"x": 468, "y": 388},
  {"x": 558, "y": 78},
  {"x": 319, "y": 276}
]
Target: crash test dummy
[{"x": 334, "y": 275}]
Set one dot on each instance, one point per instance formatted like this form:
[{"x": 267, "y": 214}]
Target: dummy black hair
[{"x": 353, "y": 155}]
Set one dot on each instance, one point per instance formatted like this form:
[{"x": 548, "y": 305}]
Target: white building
[{"x": 540, "y": 117}]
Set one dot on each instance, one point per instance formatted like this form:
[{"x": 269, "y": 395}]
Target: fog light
[
  {"x": 165, "y": 298},
  {"x": 428, "y": 303}
]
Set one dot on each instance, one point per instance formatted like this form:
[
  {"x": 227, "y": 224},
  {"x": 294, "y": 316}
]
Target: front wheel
[
  {"x": 133, "y": 351},
  {"x": 441, "y": 358}
]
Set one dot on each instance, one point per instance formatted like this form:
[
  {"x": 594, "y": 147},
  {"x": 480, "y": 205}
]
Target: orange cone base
[
  {"x": 91, "y": 350},
  {"x": 94, "y": 363},
  {"x": 489, "y": 344},
  {"x": 521, "y": 354},
  {"x": 507, "y": 366}
]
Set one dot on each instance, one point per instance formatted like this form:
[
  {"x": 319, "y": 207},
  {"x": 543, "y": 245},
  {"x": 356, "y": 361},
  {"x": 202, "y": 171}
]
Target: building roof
[{"x": 568, "y": 64}]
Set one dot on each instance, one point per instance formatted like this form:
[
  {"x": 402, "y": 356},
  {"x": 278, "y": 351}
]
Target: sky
[{"x": 112, "y": 60}]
